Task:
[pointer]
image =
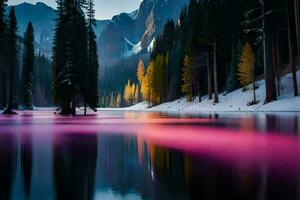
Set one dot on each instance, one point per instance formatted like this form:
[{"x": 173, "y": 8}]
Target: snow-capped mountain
[
  {"x": 122, "y": 36},
  {"x": 129, "y": 33}
]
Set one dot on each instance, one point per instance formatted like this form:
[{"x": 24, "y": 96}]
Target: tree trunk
[
  {"x": 73, "y": 102},
  {"x": 275, "y": 52},
  {"x": 208, "y": 78},
  {"x": 199, "y": 86},
  {"x": 3, "y": 92},
  {"x": 254, "y": 92},
  {"x": 291, "y": 56},
  {"x": 8, "y": 109},
  {"x": 85, "y": 105},
  {"x": 216, "y": 95},
  {"x": 267, "y": 47},
  {"x": 65, "y": 107}
]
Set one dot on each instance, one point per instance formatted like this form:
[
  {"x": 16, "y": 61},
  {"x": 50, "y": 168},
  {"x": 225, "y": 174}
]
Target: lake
[{"x": 115, "y": 155}]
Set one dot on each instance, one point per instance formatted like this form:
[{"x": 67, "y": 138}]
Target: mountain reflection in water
[{"x": 139, "y": 155}]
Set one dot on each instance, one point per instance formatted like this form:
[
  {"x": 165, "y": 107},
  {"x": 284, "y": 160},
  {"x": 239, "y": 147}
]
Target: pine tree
[
  {"x": 12, "y": 56},
  {"x": 3, "y": 45},
  {"x": 92, "y": 97},
  {"x": 232, "y": 79},
  {"x": 72, "y": 52},
  {"x": 186, "y": 87},
  {"x": 27, "y": 86},
  {"x": 246, "y": 68}
]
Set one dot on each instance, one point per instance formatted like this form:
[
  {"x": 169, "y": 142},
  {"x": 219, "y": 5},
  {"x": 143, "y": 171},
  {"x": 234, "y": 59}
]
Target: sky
[{"x": 105, "y": 9}]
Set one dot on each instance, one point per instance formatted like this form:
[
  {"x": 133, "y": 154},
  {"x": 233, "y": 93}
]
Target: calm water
[{"x": 137, "y": 155}]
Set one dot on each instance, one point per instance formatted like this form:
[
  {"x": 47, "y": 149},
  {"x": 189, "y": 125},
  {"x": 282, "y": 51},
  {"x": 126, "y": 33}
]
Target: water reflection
[
  {"x": 7, "y": 164},
  {"x": 150, "y": 156},
  {"x": 26, "y": 161},
  {"x": 74, "y": 166}
]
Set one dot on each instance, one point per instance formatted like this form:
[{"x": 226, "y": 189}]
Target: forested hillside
[{"x": 218, "y": 46}]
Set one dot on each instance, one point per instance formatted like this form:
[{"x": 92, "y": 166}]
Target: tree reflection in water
[
  {"x": 153, "y": 157},
  {"x": 74, "y": 166},
  {"x": 8, "y": 155}
]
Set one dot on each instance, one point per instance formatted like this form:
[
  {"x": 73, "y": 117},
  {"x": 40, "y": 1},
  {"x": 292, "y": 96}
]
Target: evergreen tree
[
  {"x": 186, "y": 87},
  {"x": 93, "y": 65},
  {"x": 3, "y": 45},
  {"x": 12, "y": 39},
  {"x": 28, "y": 63},
  {"x": 232, "y": 80},
  {"x": 74, "y": 49}
]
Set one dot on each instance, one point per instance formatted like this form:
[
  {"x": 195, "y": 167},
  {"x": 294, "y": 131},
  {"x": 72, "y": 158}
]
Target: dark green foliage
[
  {"x": 91, "y": 92},
  {"x": 75, "y": 66},
  {"x": 232, "y": 80},
  {"x": 42, "y": 81},
  {"x": 12, "y": 58},
  {"x": 3, "y": 45},
  {"x": 202, "y": 24},
  {"x": 28, "y": 63}
]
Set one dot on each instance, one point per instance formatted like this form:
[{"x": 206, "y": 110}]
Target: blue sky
[{"x": 105, "y": 9}]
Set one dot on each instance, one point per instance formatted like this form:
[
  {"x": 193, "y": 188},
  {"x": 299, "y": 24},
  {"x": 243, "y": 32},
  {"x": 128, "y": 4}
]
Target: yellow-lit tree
[
  {"x": 150, "y": 81},
  {"x": 136, "y": 94},
  {"x": 128, "y": 93},
  {"x": 145, "y": 88},
  {"x": 246, "y": 69},
  {"x": 186, "y": 87},
  {"x": 140, "y": 71},
  {"x": 132, "y": 92}
]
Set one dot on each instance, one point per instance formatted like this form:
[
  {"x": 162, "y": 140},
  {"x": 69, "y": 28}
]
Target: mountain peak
[{"x": 41, "y": 4}]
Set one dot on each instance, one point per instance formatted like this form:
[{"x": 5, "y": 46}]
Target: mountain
[
  {"x": 43, "y": 20},
  {"x": 129, "y": 33}
]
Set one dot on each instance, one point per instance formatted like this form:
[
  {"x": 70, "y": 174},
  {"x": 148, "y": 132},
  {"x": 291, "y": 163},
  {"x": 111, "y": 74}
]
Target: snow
[
  {"x": 235, "y": 101},
  {"x": 133, "y": 48},
  {"x": 151, "y": 45}
]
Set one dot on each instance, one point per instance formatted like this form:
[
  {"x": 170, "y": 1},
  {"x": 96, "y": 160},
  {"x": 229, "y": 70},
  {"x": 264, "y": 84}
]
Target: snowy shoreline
[{"x": 235, "y": 101}]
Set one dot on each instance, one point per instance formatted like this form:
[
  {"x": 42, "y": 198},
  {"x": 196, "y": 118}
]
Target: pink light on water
[{"x": 245, "y": 148}]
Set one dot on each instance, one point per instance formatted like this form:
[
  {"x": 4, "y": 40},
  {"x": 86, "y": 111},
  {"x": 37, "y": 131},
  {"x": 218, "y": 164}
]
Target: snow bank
[{"x": 235, "y": 101}]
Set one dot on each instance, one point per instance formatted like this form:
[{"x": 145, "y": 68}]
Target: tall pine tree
[
  {"x": 92, "y": 97},
  {"x": 75, "y": 62},
  {"x": 27, "y": 85},
  {"x": 3, "y": 43},
  {"x": 12, "y": 39}
]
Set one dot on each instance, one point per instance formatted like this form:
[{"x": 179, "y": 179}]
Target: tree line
[
  {"x": 19, "y": 64},
  {"x": 219, "y": 46}
]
